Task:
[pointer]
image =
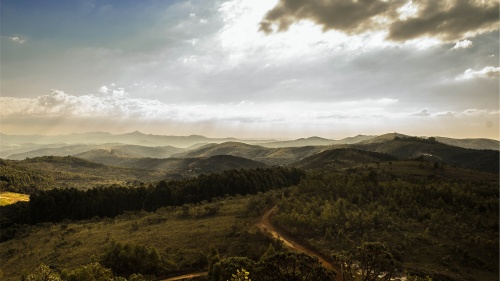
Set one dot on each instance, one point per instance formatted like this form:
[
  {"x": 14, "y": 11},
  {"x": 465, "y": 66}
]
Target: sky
[{"x": 280, "y": 69}]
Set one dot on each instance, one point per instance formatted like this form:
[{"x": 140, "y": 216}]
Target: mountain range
[{"x": 198, "y": 154}]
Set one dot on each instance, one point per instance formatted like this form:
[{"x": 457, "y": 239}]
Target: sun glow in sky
[{"x": 250, "y": 69}]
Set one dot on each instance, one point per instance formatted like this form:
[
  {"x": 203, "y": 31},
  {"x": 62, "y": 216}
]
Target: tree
[
  {"x": 127, "y": 259},
  {"x": 42, "y": 273},
  {"x": 292, "y": 266},
  {"x": 90, "y": 272},
  {"x": 372, "y": 262},
  {"x": 224, "y": 269},
  {"x": 241, "y": 275}
]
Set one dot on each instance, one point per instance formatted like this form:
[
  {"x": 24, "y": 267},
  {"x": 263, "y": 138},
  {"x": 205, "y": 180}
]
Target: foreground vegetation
[
  {"x": 416, "y": 218},
  {"x": 182, "y": 238},
  {"x": 444, "y": 228}
]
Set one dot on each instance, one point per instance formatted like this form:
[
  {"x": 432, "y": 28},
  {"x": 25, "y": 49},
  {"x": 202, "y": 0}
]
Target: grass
[
  {"x": 7, "y": 198},
  {"x": 184, "y": 242}
]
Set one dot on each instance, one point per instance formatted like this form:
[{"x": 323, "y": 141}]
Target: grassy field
[
  {"x": 179, "y": 236},
  {"x": 7, "y": 198}
]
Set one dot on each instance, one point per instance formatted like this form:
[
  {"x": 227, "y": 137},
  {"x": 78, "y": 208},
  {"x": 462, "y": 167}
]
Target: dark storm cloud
[
  {"x": 348, "y": 16},
  {"x": 447, "y": 20}
]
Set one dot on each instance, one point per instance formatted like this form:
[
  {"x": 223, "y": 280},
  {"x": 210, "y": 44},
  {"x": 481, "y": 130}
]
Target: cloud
[
  {"x": 16, "y": 39},
  {"x": 471, "y": 112},
  {"x": 463, "y": 44},
  {"x": 488, "y": 72},
  {"x": 447, "y": 20},
  {"x": 422, "y": 112},
  {"x": 402, "y": 20},
  {"x": 115, "y": 103},
  {"x": 347, "y": 16}
]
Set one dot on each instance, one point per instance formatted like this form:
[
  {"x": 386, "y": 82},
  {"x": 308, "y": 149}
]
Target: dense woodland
[
  {"x": 445, "y": 228},
  {"x": 71, "y": 204}
]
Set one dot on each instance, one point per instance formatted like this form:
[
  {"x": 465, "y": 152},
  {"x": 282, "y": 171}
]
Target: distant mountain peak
[
  {"x": 135, "y": 133},
  {"x": 316, "y": 138}
]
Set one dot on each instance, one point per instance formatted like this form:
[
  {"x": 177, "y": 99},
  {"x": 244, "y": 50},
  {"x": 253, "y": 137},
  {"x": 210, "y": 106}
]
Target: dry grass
[
  {"x": 7, "y": 198},
  {"x": 183, "y": 241}
]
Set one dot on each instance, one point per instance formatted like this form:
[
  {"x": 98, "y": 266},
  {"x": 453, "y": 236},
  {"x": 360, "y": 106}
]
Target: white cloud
[
  {"x": 116, "y": 103},
  {"x": 487, "y": 72},
  {"x": 422, "y": 112},
  {"x": 471, "y": 112},
  {"x": 16, "y": 39},
  {"x": 463, "y": 44}
]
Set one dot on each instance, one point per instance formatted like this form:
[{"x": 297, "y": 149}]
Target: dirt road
[
  {"x": 186, "y": 276},
  {"x": 266, "y": 225}
]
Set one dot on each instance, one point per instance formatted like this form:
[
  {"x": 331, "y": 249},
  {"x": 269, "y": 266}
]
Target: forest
[{"x": 71, "y": 204}]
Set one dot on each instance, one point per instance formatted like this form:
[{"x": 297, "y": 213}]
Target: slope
[
  {"x": 316, "y": 141},
  {"x": 270, "y": 156},
  {"x": 49, "y": 172},
  {"x": 413, "y": 147},
  {"x": 341, "y": 158}
]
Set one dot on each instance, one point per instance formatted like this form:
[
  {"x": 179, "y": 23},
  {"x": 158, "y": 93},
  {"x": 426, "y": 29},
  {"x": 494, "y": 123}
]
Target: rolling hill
[
  {"x": 176, "y": 167},
  {"x": 75, "y": 150},
  {"x": 61, "y": 172},
  {"x": 471, "y": 143},
  {"x": 134, "y": 138},
  {"x": 403, "y": 147},
  {"x": 316, "y": 141},
  {"x": 341, "y": 158},
  {"x": 50, "y": 172},
  {"x": 270, "y": 156}
]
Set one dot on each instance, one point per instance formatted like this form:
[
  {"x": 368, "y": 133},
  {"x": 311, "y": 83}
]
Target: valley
[{"x": 206, "y": 206}]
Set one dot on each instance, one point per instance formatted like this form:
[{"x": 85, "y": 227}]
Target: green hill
[
  {"x": 413, "y": 147},
  {"x": 49, "y": 172},
  {"x": 341, "y": 158}
]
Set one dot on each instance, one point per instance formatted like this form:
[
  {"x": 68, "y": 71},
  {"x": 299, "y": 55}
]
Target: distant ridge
[
  {"x": 270, "y": 156},
  {"x": 316, "y": 141},
  {"x": 471, "y": 143},
  {"x": 341, "y": 158},
  {"x": 383, "y": 138},
  {"x": 171, "y": 166},
  {"x": 129, "y": 150},
  {"x": 405, "y": 147}
]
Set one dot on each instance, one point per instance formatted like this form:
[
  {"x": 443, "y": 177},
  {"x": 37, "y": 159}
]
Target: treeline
[
  {"x": 427, "y": 223},
  {"x": 16, "y": 178},
  {"x": 72, "y": 204}
]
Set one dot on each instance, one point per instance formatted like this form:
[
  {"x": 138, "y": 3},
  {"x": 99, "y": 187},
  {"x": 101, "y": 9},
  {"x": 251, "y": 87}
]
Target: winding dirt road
[
  {"x": 187, "y": 276},
  {"x": 265, "y": 225}
]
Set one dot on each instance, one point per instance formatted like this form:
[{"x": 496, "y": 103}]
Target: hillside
[
  {"x": 270, "y": 156},
  {"x": 134, "y": 138},
  {"x": 413, "y": 147},
  {"x": 50, "y": 172},
  {"x": 227, "y": 148},
  {"x": 76, "y": 150},
  {"x": 316, "y": 141},
  {"x": 471, "y": 143},
  {"x": 341, "y": 158},
  {"x": 383, "y": 138},
  {"x": 63, "y": 150},
  {"x": 220, "y": 163},
  {"x": 173, "y": 167}
]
